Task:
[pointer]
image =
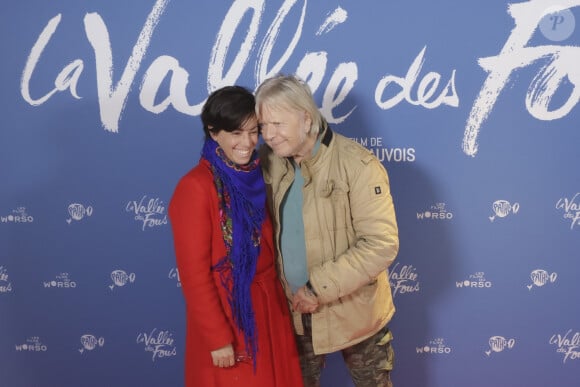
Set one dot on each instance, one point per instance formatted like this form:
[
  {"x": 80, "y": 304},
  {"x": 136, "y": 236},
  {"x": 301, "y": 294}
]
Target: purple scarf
[{"x": 242, "y": 207}]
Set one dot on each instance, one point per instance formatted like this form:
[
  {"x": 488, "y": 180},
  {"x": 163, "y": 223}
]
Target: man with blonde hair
[{"x": 335, "y": 234}]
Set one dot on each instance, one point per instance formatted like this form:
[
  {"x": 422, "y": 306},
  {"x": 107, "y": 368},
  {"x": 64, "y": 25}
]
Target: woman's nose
[{"x": 248, "y": 139}]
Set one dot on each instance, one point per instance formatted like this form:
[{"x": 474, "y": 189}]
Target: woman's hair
[
  {"x": 227, "y": 109},
  {"x": 290, "y": 93}
]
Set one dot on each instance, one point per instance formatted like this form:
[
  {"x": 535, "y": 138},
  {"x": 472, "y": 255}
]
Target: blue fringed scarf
[{"x": 242, "y": 197}]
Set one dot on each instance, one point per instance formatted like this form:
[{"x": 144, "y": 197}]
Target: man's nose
[{"x": 267, "y": 131}]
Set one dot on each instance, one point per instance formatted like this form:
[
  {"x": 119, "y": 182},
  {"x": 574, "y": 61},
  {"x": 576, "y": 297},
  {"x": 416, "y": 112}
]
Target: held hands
[
  {"x": 304, "y": 300},
  {"x": 223, "y": 357}
]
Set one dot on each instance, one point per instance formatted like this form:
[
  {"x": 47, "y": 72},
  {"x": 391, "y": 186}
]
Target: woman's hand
[{"x": 223, "y": 357}]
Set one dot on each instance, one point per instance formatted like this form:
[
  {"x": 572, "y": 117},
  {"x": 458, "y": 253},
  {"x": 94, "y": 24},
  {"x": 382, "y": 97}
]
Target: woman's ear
[{"x": 212, "y": 134}]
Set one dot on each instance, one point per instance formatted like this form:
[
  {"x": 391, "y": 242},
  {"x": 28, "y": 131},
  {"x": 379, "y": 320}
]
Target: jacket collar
[
  {"x": 311, "y": 165},
  {"x": 326, "y": 136}
]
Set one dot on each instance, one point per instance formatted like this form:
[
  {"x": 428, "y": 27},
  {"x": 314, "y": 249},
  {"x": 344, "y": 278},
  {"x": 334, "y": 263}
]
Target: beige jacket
[{"x": 351, "y": 238}]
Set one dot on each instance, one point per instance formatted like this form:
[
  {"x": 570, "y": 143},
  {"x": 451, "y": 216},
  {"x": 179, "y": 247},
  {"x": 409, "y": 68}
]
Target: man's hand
[
  {"x": 223, "y": 357},
  {"x": 304, "y": 301}
]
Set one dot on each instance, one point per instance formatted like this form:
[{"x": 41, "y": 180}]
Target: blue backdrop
[{"x": 471, "y": 106}]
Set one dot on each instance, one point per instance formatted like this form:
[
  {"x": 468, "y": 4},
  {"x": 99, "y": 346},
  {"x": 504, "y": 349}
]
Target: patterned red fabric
[{"x": 198, "y": 241}]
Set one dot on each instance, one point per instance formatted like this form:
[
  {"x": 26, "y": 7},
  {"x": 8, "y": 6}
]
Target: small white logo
[
  {"x": 121, "y": 278},
  {"x": 61, "y": 281},
  {"x": 18, "y": 215},
  {"x": 78, "y": 212},
  {"x": 149, "y": 211},
  {"x": 567, "y": 344},
  {"x": 90, "y": 342},
  {"x": 499, "y": 344},
  {"x": 32, "y": 344},
  {"x": 174, "y": 274},
  {"x": 541, "y": 277},
  {"x": 5, "y": 284},
  {"x": 436, "y": 212},
  {"x": 159, "y": 343},
  {"x": 502, "y": 208},
  {"x": 475, "y": 280},
  {"x": 403, "y": 280},
  {"x": 571, "y": 208},
  {"x": 435, "y": 347},
  {"x": 557, "y": 24}
]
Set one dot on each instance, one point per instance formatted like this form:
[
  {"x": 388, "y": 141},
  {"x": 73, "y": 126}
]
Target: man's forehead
[{"x": 274, "y": 111}]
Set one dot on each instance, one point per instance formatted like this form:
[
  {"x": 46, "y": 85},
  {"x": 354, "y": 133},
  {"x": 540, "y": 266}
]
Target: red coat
[{"x": 199, "y": 245}]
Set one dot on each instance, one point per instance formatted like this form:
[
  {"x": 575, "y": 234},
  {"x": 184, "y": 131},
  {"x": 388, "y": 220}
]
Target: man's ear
[{"x": 307, "y": 122}]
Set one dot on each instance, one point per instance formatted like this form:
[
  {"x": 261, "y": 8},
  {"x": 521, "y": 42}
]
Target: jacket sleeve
[
  {"x": 376, "y": 234},
  {"x": 190, "y": 215}
]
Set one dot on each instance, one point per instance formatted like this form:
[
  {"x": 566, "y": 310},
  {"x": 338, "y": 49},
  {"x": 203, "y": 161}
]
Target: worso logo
[
  {"x": 403, "y": 279},
  {"x": 5, "y": 284},
  {"x": 32, "y": 344},
  {"x": 19, "y": 215},
  {"x": 160, "y": 343},
  {"x": 499, "y": 344},
  {"x": 435, "y": 347},
  {"x": 90, "y": 342},
  {"x": 475, "y": 280},
  {"x": 121, "y": 278},
  {"x": 568, "y": 344},
  {"x": 78, "y": 212},
  {"x": 503, "y": 208},
  {"x": 541, "y": 277},
  {"x": 435, "y": 212},
  {"x": 61, "y": 281},
  {"x": 150, "y": 212}
]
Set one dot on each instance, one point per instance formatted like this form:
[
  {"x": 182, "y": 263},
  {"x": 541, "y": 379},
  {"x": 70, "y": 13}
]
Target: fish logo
[{"x": 503, "y": 208}]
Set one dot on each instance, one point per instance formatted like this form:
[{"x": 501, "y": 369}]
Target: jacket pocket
[{"x": 334, "y": 199}]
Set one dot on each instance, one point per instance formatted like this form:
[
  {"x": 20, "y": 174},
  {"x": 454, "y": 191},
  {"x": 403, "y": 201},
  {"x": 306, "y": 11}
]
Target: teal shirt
[{"x": 292, "y": 239}]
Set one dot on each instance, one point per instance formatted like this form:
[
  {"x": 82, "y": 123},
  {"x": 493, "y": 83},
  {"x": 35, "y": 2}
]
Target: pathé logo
[
  {"x": 503, "y": 208},
  {"x": 541, "y": 277},
  {"x": 78, "y": 211},
  {"x": 121, "y": 278},
  {"x": 499, "y": 344},
  {"x": 90, "y": 342}
]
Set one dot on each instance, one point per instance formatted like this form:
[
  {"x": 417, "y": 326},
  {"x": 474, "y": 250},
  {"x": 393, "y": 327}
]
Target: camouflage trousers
[{"x": 369, "y": 362}]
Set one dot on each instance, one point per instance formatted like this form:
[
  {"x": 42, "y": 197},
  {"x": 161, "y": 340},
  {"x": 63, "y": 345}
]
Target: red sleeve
[{"x": 190, "y": 215}]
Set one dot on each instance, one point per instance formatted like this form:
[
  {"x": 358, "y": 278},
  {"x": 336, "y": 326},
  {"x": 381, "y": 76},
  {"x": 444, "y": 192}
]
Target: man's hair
[{"x": 289, "y": 92}]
